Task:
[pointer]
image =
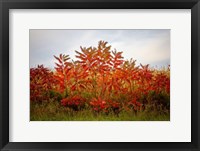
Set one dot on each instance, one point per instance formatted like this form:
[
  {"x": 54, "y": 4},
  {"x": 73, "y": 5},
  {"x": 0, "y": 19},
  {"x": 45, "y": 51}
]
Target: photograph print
[{"x": 99, "y": 75}]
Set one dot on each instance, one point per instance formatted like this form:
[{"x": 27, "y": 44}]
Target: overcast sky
[{"x": 146, "y": 46}]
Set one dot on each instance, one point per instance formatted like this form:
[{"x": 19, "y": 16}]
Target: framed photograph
[{"x": 99, "y": 75}]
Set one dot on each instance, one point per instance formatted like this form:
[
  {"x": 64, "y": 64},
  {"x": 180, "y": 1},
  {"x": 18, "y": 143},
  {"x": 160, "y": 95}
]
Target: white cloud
[{"x": 145, "y": 46}]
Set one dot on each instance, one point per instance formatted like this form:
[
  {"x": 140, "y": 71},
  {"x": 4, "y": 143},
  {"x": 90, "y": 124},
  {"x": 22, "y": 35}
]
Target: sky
[{"x": 148, "y": 46}]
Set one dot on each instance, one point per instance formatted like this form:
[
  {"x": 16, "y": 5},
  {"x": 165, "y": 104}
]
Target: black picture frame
[{"x": 5, "y": 5}]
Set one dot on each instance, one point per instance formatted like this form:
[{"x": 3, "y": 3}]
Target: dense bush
[{"x": 101, "y": 80}]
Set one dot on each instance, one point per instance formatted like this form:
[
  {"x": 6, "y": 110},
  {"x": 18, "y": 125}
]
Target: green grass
[{"x": 53, "y": 111}]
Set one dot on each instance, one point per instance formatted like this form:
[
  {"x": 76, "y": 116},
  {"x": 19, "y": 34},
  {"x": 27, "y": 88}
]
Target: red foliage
[
  {"x": 98, "y": 104},
  {"x": 41, "y": 81},
  {"x": 62, "y": 74},
  {"x": 135, "y": 105},
  {"x": 75, "y": 102}
]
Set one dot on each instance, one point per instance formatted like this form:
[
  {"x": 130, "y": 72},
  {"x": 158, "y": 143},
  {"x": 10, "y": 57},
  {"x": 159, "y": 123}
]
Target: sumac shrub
[{"x": 41, "y": 82}]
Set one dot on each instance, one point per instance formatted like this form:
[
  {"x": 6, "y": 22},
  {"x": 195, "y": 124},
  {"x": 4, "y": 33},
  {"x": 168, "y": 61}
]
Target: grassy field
[{"x": 53, "y": 111}]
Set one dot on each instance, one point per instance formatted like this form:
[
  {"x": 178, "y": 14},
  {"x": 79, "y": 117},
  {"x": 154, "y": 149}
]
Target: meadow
[{"x": 99, "y": 86}]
